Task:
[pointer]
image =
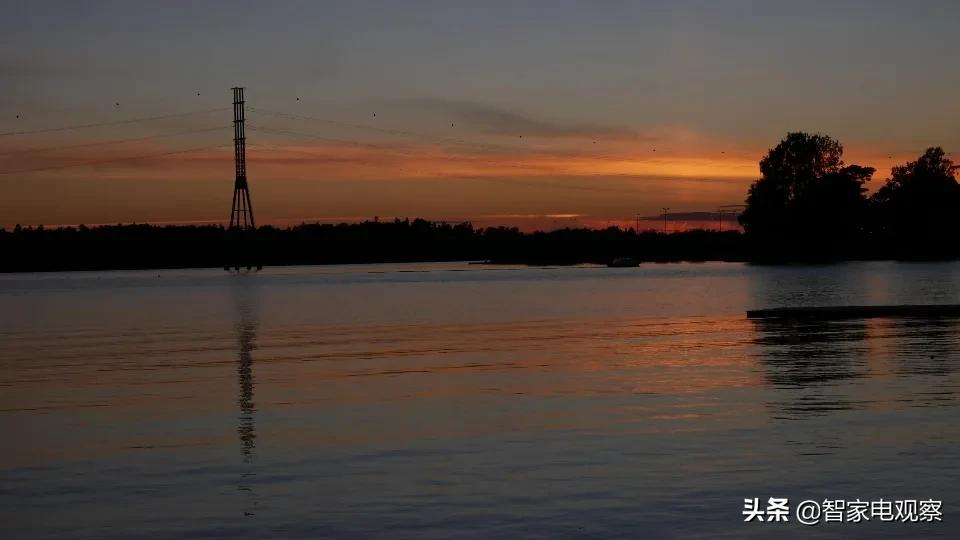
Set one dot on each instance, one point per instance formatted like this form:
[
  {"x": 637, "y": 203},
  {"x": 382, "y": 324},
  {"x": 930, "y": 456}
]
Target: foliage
[
  {"x": 807, "y": 202},
  {"x": 147, "y": 246},
  {"x": 916, "y": 210}
]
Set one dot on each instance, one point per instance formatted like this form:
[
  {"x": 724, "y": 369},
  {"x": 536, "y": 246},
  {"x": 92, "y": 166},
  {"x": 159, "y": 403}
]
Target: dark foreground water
[{"x": 457, "y": 401}]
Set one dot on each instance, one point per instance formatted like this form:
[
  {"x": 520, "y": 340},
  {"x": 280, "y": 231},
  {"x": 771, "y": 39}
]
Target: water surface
[{"x": 465, "y": 401}]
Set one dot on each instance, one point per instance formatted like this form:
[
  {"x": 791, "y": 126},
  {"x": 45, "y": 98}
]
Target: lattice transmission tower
[
  {"x": 242, "y": 245},
  {"x": 241, "y": 213}
]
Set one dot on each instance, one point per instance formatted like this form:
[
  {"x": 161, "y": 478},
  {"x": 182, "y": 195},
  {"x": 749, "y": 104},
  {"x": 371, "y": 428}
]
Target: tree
[
  {"x": 916, "y": 210},
  {"x": 807, "y": 202}
]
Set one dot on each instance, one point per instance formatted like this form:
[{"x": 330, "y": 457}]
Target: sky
[{"x": 534, "y": 114}]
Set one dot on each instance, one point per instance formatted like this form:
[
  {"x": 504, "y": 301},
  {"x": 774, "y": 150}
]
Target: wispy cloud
[
  {"x": 398, "y": 161},
  {"x": 497, "y": 120},
  {"x": 688, "y": 216}
]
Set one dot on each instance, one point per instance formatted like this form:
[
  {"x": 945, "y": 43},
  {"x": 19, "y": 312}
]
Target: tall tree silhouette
[
  {"x": 916, "y": 210},
  {"x": 807, "y": 202}
]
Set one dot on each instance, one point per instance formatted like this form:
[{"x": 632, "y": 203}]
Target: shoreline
[{"x": 760, "y": 262}]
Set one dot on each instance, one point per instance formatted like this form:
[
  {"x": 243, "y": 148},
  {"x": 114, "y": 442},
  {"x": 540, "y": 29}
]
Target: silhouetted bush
[
  {"x": 915, "y": 213},
  {"x": 807, "y": 202}
]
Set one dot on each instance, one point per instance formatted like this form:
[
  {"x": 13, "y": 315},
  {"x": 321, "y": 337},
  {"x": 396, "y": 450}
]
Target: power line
[
  {"x": 446, "y": 140},
  {"x": 112, "y": 123},
  {"x": 545, "y": 184},
  {"x": 494, "y": 179},
  {"x": 370, "y": 146},
  {"x": 503, "y": 163},
  {"x": 113, "y": 141},
  {"x": 469, "y": 177},
  {"x": 387, "y": 131},
  {"x": 313, "y": 154},
  {"x": 382, "y": 149},
  {"x": 377, "y": 147},
  {"x": 291, "y": 116},
  {"x": 114, "y": 160},
  {"x": 275, "y": 131},
  {"x": 457, "y": 142}
]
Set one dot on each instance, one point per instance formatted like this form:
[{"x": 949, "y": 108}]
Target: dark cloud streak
[
  {"x": 690, "y": 216},
  {"x": 500, "y": 121}
]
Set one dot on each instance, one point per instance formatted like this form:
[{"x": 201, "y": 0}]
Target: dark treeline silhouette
[
  {"x": 809, "y": 205},
  {"x": 148, "y": 246}
]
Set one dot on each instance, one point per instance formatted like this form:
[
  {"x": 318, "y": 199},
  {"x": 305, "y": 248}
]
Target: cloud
[
  {"x": 500, "y": 121},
  {"x": 688, "y": 216}
]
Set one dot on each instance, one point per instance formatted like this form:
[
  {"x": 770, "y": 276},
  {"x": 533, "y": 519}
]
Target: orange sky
[
  {"x": 495, "y": 111},
  {"x": 536, "y": 182}
]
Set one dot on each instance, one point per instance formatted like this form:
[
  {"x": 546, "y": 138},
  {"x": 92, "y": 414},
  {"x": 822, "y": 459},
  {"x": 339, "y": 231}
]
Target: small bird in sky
[
  {"x": 298, "y": 98},
  {"x": 374, "y": 115},
  {"x": 117, "y": 104},
  {"x": 18, "y": 116}
]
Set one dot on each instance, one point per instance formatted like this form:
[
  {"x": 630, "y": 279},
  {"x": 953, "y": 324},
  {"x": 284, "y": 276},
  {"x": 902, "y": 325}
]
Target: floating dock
[{"x": 856, "y": 312}]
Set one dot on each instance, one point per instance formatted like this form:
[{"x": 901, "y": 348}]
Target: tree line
[
  {"x": 809, "y": 204},
  {"x": 417, "y": 240}
]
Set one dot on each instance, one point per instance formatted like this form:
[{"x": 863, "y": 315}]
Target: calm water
[{"x": 458, "y": 401}]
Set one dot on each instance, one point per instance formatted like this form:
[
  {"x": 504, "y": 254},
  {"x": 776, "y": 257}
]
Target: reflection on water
[
  {"x": 457, "y": 401},
  {"x": 810, "y": 360},
  {"x": 810, "y": 353},
  {"x": 925, "y": 346},
  {"x": 246, "y": 336},
  {"x": 816, "y": 363}
]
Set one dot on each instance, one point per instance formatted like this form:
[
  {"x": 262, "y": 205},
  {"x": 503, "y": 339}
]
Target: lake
[{"x": 450, "y": 400}]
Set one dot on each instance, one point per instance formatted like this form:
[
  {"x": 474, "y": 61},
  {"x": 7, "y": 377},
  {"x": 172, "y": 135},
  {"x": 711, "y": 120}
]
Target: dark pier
[{"x": 856, "y": 312}]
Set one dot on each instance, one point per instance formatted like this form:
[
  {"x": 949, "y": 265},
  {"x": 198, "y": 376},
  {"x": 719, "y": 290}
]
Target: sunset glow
[{"x": 653, "y": 106}]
